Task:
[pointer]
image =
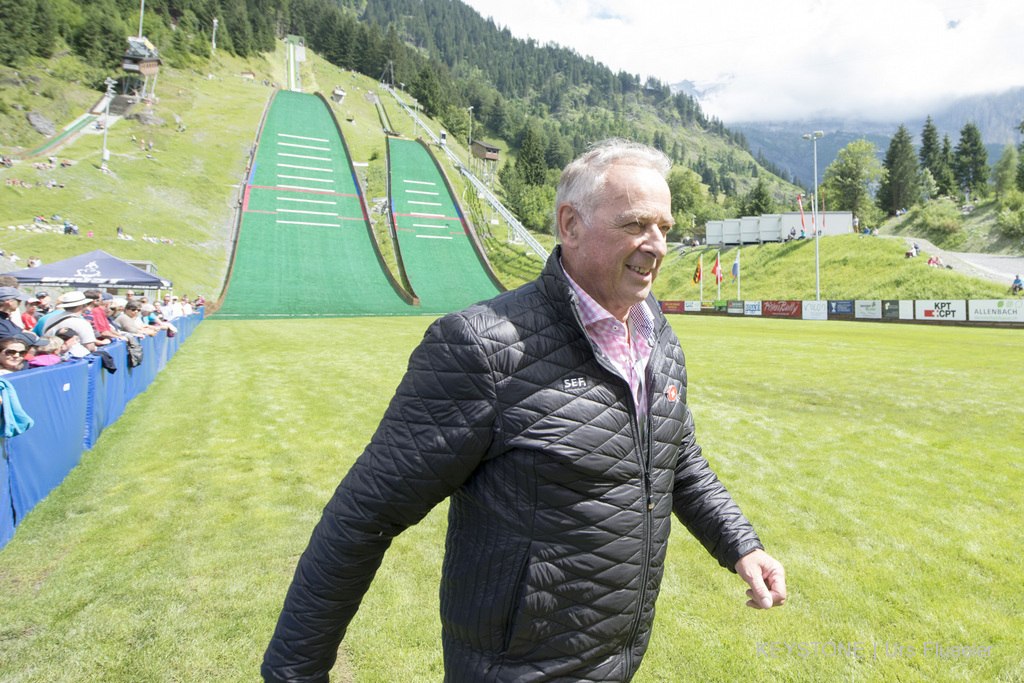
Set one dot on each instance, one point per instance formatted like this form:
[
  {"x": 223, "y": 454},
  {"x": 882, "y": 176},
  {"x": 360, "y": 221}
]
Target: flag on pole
[
  {"x": 736, "y": 266},
  {"x": 698, "y": 274},
  {"x": 800, "y": 203},
  {"x": 717, "y": 270}
]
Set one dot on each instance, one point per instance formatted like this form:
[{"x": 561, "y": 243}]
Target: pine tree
[
  {"x": 530, "y": 163},
  {"x": 1005, "y": 171},
  {"x": 970, "y": 161},
  {"x": 759, "y": 201},
  {"x": 944, "y": 175},
  {"x": 901, "y": 182},
  {"x": 931, "y": 156},
  {"x": 1020, "y": 165}
]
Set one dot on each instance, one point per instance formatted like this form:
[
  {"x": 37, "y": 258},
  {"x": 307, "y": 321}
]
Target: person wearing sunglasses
[{"x": 12, "y": 355}]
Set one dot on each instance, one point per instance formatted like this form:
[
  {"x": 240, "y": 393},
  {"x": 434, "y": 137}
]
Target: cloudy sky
[{"x": 790, "y": 59}]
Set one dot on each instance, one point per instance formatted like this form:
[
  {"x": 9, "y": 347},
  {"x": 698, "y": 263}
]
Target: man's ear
[{"x": 569, "y": 223}]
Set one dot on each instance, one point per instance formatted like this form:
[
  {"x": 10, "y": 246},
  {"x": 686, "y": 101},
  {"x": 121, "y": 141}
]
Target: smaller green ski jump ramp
[
  {"x": 441, "y": 255},
  {"x": 305, "y": 246}
]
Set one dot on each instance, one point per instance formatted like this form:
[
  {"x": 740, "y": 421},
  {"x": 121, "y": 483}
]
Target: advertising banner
[
  {"x": 933, "y": 310},
  {"x": 721, "y": 306},
  {"x": 815, "y": 310},
  {"x": 707, "y": 305},
  {"x": 898, "y": 310},
  {"x": 752, "y": 308},
  {"x": 781, "y": 309},
  {"x": 691, "y": 306},
  {"x": 671, "y": 306},
  {"x": 841, "y": 307},
  {"x": 736, "y": 307},
  {"x": 996, "y": 310},
  {"x": 868, "y": 308}
]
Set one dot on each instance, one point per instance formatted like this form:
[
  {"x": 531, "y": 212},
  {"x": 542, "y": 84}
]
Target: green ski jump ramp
[
  {"x": 305, "y": 245},
  {"x": 440, "y": 254}
]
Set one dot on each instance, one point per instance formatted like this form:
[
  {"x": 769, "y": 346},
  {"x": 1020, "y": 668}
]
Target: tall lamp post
[
  {"x": 813, "y": 137},
  {"x": 109, "y": 82},
  {"x": 469, "y": 148}
]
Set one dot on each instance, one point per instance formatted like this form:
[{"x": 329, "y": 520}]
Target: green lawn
[{"x": 882, "y": 463}]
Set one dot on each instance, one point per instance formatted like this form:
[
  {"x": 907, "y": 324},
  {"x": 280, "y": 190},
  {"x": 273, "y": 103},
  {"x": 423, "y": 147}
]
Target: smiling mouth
[{"x": 641, "y": 271}]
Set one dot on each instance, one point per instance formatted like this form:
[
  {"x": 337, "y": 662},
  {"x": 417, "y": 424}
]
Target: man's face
[
  {"x": 9, "y": 305},
  {"x": 615, "y": 253}
]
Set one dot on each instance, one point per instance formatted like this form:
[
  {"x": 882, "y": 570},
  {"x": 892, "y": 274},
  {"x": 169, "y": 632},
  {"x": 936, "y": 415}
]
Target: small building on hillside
[{"x": 141, "y": 60}]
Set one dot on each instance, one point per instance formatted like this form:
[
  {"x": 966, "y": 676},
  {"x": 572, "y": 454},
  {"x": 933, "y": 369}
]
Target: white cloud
[{"x": 793, "y": 58}]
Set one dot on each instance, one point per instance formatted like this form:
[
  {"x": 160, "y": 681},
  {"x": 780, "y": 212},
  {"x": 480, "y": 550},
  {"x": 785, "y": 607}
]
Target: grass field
[{"x": 882, "y": 463}]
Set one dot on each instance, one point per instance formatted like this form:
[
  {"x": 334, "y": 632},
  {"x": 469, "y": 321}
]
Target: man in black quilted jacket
[{"x": 554, "y": 418}]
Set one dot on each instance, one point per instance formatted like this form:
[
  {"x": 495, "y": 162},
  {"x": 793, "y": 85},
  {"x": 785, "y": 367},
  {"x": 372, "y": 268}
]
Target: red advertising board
[
  {"x": 781, "y": 309},
  {"x": 672, "y": 306}
]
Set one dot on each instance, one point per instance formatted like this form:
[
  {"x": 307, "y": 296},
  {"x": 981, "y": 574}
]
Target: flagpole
[
  {"x": 738, "y": 270},
  {"x": 718, "y": 275},
  {"x": 701, "y": 262}
]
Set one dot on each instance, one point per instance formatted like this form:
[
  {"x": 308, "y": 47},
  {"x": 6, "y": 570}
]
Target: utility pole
[
  {"x": 813, "y": 137},
  {"x": 469, "y": 148},
  {"x": 109, "y": 82}
]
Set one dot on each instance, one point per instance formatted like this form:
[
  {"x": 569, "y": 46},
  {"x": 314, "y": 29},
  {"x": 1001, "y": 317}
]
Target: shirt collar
[{"x": 641, "y": 320}]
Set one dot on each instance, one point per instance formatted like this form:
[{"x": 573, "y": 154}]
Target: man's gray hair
[{"x": 583, "y": 179}]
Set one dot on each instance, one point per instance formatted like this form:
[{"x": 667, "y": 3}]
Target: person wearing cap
[
  {"x": 10, "y": 299},
  {"x": 44, "y": 306},
  {"x": 73, "y": 303},
  {"x": 41, "y": 351},
  {"x": 28, "y": 316}
]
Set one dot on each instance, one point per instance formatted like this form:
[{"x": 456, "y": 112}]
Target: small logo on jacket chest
[
  {"x": 672, "y": 393},
  {"x": 574, "y": 384}
]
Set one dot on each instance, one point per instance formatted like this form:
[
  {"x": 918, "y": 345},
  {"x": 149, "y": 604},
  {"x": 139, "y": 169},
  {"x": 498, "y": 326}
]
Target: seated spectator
[
  {"x": 130, "y": 323},
  {"x": 12, "y": 355},
  {"x": 1017, "y": 286}
]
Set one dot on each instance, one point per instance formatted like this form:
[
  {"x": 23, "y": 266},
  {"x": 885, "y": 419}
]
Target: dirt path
[{"x": 991, "y": 267}]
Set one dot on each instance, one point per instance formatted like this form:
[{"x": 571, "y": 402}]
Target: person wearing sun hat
[{"x": 72, "y": 303}]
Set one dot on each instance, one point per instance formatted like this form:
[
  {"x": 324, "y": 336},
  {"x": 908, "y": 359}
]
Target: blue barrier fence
[{"x": 71, "y": 404}]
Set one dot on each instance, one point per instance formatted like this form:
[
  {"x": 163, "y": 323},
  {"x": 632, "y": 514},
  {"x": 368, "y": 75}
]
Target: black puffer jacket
[{"x": 560, "y": 504}]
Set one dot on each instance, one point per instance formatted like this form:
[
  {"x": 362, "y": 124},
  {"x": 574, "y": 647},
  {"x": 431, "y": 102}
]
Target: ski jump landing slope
[
  {"x": 304, "y": 244},
  {"x": 442, "y": 258}
]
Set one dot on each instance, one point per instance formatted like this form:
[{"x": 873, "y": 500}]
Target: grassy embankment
[{"x": 882, "y": 473}]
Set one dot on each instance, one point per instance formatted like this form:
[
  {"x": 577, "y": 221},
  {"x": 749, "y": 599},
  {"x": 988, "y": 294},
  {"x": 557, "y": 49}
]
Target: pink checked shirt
[{"x": 627, "y": 353}]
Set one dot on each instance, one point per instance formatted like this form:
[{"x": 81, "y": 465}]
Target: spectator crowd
[{"x": 37, "y": 331}]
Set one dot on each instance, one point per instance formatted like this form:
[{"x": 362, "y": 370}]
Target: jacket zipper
[{"x": 645, "y": 476}]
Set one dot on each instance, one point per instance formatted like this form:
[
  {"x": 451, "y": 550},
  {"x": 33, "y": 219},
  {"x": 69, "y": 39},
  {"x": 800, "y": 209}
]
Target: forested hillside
[{"x": 543, "y": 103}]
